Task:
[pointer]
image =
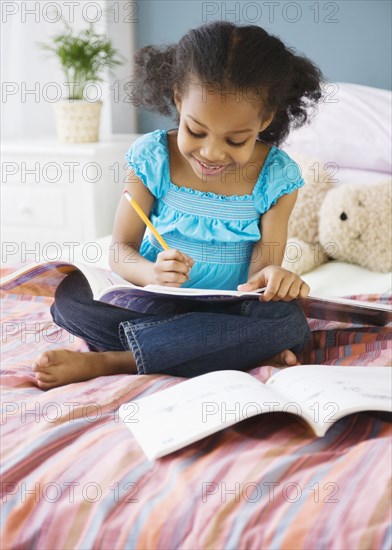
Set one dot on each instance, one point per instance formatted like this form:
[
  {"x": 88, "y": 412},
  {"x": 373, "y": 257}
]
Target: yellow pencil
[{"x": 145, "y": 219}]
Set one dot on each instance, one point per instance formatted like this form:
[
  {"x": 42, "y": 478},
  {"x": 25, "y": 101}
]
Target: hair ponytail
[
  {"x": 154, "y": 78},
  {"x": 295, "y": 101}
]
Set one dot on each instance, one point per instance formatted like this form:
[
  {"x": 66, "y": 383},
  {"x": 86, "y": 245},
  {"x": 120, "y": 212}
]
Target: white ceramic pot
[{"x": 77, "y": 121}]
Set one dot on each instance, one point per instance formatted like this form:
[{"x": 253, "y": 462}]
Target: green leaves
[{"x": 83, "y": 57}]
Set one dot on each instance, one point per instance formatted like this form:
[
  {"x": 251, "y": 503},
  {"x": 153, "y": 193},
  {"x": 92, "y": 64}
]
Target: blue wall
[{"x": 350, "y": 40}]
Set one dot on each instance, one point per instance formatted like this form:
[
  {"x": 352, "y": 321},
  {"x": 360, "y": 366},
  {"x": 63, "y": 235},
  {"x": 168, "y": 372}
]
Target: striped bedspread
[{"x": 74, "y": 477}]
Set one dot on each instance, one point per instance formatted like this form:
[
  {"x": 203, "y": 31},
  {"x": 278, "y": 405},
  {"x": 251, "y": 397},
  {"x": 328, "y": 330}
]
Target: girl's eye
[
  {"x": 201, "y": 136},
  {"x": 236, "y": 144},
  {"x": 195, "y": 135}
]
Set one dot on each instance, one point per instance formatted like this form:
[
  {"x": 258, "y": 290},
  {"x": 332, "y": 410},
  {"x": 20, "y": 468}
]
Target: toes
[
  {"x": 45, "y": 385},
  {"x": 38, "y": 369},
  {"x": 44, "y": 377},
  {"x": 42, "y": 361},
  {"x": 289, "y": 358}
]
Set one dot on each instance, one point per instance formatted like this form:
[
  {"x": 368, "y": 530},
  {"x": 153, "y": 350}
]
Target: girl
[{"x": 220, "y": 192}]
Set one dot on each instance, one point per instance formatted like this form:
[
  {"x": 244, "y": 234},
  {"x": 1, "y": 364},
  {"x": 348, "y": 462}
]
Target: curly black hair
[{"x": 229, "y": 56}]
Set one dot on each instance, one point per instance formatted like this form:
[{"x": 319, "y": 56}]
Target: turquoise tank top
[{"x": 217, "y": 231}]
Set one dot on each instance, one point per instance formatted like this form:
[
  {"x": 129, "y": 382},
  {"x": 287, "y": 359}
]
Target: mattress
[{"x": 73, "y": 476}]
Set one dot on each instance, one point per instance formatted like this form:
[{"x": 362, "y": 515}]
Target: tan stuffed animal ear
[
  {"x": 303, "y": 251},
  {"x": 304, "y": 219},
  {"x": 355, "y": 225}
]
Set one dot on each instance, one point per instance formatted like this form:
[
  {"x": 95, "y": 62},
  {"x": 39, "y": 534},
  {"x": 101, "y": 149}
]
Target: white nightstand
[{"x": 57, "y": 197}]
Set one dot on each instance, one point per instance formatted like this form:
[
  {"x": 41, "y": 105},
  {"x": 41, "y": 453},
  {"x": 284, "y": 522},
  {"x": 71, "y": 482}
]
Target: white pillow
[
  {"x": 352, "y": 128},
  {"x": 346, "y": 176},
  {"x": 343, "y": 279}
]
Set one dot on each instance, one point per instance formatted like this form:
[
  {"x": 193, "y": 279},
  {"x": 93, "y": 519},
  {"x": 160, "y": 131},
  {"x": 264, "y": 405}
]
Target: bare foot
[
  {"x": 62, "y": 366},
  {"x": 285, "y": 358}
]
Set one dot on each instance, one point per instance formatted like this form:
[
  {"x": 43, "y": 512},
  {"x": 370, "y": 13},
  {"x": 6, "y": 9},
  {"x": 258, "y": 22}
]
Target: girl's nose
[{"x": 212, "y": 153}]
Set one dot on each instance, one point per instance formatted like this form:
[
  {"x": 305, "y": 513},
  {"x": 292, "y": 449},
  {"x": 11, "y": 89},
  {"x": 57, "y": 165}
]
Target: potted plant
[{"x": 83, "y": 58}]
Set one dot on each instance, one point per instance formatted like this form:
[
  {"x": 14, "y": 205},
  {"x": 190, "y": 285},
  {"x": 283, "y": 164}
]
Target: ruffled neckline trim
[{"x": 269, "y": 158}]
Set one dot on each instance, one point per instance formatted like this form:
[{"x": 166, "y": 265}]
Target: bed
[{"x": 73, "y": 476}]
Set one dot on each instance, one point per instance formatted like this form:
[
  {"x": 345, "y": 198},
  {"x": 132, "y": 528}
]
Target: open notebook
[{"x": 43, "y": 278}]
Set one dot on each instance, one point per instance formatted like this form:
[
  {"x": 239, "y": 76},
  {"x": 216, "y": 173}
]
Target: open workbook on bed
[
  {"x": 191, "y": 410},
  {"x": 43, "y": 278}
]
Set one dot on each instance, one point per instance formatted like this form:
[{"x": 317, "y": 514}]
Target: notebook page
[
  {"x": 195, "y": 408},
  {"x": 326, "y": 393}
]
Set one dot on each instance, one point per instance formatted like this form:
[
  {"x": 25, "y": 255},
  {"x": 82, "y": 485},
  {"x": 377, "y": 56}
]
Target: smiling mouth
[{"x": 210, "y": 169}]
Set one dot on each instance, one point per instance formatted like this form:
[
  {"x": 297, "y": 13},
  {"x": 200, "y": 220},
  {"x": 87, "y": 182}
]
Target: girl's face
[{"x": 217, "y": 131}]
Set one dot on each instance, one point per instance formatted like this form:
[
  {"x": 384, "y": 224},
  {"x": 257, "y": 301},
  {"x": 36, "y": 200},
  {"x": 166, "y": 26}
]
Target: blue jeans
[{"x": 190, "y": 338}]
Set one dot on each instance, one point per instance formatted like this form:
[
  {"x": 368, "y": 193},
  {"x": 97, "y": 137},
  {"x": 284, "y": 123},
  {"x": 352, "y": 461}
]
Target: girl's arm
[
  {"x": 128, "y": 232},
  {"x": 265, "y": 266},
  {"x": 273, "y": 228}
]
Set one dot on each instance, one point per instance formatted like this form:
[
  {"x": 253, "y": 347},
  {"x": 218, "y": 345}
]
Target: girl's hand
[
  {"x": 280, "y": 284},
  {"x": 171, "y": 268}
]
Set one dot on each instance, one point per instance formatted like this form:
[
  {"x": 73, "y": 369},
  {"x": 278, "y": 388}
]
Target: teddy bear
[
  {"x": 350, "y": 223},
  {"x": 355, "y": 225},
  {"x": 303, "y": 250}
]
